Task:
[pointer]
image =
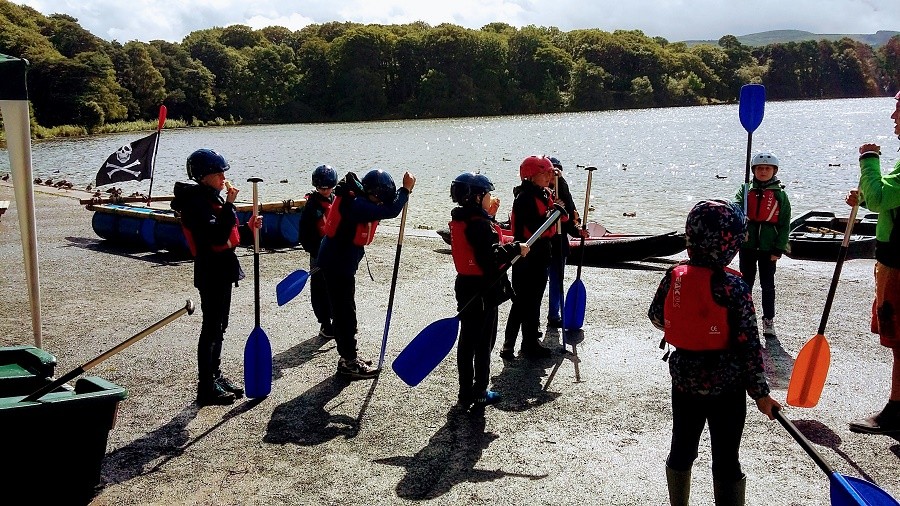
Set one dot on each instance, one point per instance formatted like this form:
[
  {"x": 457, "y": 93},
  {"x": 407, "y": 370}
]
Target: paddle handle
[
  {"x": 801, "y": 439},
  {"x": 842, "y": 255},
  {"x": 188, "y": 308},
  {"x": 584, "y": 216},
  {"x": 255, "y": 181},
  {"x": 390, "y": 308}
]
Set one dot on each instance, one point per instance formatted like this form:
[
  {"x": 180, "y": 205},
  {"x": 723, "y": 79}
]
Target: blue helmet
[
  {"x": 556, "y": 163},
  {"x": 203, "y": 162},
  {"x": 380, "y": 184},
  {"x": 468, "y": 185},
  {"x": 324, "y": 176}
]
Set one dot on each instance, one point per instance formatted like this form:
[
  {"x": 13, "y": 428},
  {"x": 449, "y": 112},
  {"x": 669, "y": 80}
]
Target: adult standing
[{"x": 881, "y": 193}]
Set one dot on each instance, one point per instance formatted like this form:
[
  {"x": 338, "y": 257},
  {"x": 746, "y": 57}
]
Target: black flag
[{"x": 132, "y": 161}]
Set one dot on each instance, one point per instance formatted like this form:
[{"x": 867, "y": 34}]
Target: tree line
[{"x": 350, "y": 71}]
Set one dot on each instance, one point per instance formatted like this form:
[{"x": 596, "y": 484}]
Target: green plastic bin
[{"x": 53, "y": 448}]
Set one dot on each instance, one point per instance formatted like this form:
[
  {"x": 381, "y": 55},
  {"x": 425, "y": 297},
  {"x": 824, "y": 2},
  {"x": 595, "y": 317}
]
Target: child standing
[
  {"x": 312, "y": 229},
  {"x": 769, "y": 217},
  {"x": 559, "y": 245},
  {"x": 707, "y": 314},
  {"x": 533, "y": 203},
  {"x": 349, "y": 227},
  {"x": 210, "y": 226},
  {"x": 479, "y": 257}
]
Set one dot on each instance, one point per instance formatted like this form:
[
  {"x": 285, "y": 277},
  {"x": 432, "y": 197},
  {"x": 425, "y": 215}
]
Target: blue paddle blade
[
  {"x": 576, "y": 298},
  {"x": 257, "y": 364},
  {"x": 850, "y": 491},
  {"x": 426, "y": 351},
  {"x": 290, "y": 286},
  {"x": 752, "y": 106}
]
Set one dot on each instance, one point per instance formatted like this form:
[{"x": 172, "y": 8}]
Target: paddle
[
  {"x": 257, "y": 351},
  {"x": 576, "y": 298},
  {"x": 435, "y": 341},
  {"x": 845, "y": 490},
  {"x": 387, "y": 319},
  {"x": 78, "y": 371},
  {"x": 811, "y": 366},
  {"x": 751, "y": 108},
  {"x": 292, "y": 285}
]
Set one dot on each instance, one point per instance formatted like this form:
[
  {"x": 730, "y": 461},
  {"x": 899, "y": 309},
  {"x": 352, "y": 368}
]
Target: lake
[{"x": 655, "y": 163}]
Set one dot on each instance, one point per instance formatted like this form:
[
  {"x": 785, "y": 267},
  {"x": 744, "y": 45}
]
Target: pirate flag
[{"x": 132, "y": 161}]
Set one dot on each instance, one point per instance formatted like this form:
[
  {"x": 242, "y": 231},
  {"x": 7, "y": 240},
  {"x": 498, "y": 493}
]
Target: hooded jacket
[
  {"x": 715, "y": 231},
  {"x": 765, "y": 236},
  {"x": 210, "y": 221}
]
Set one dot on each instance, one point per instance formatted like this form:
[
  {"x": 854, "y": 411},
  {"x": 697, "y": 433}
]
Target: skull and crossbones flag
[{"x": 133, "y": 161}]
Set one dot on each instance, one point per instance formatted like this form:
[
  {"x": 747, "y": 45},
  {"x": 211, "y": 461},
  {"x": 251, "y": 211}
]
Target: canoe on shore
[
  {"x": 143, "y": 228},
  {"x": 604, "y": 247},
  {"x": 817, "y": 235}
]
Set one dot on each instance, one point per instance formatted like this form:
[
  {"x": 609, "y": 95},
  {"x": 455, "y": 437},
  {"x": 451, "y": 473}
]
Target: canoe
[
  {"x": 142, "y": 228},
  {"x": 604, "y": 247},
  {"x": 817, "y": 235}
]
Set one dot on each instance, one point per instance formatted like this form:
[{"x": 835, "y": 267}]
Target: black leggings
[
  {"x": 749, "y": 259},
  {"x": 725, "y": 414},
  {"x": 477, "y": 336},
  {"x": 215, "y": 304}
]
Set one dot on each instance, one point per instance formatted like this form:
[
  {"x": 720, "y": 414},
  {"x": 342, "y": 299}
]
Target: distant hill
[{"x": 877, "y": 39}]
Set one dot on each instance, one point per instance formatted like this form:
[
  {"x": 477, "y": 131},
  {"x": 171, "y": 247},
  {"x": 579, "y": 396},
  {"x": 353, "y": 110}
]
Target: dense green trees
[{"x": 350, "y": 71}]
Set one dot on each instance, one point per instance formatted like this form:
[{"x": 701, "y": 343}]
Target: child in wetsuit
[{"x": 312, "y": 229}]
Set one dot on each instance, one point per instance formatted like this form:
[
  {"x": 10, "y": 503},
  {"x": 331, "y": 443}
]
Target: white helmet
[{"x": 764, "y": 159}]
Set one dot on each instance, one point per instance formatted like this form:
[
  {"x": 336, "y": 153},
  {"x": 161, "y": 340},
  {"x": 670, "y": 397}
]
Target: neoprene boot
[
  {"x": 679, "y": 486},
  {"x": 730, "y": 493}
]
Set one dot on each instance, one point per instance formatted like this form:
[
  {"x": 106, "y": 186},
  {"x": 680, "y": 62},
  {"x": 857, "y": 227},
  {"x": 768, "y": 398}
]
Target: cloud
[{"x": 673, "y": 19}]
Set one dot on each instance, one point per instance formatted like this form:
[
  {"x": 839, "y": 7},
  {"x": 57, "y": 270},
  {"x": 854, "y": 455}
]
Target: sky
[{"x": 676, "y": 20}]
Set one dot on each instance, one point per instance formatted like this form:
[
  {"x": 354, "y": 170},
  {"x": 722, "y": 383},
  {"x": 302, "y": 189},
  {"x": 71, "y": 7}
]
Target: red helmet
[{"x": 534, "y": 165}]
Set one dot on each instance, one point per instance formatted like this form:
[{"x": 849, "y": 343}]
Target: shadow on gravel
[
  {"x": 778, "y": 363},
  {"x": 111, "y": 248},
  {"x": 299, "y": 354},
  {"x": 166, "y": 442},
  {"x": 822, "y": 435},
  {"x": 520, "y": 380},
  {"x": 305, "y": 421},
  {"x": 449, "y": 458}
]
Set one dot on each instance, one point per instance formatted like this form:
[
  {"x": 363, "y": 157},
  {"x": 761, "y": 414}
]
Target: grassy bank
[{"x": 39, "y": 132}]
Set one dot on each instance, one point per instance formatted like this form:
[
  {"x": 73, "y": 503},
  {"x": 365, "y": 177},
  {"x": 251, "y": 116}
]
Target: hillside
[{"x": 875, "y": 40}]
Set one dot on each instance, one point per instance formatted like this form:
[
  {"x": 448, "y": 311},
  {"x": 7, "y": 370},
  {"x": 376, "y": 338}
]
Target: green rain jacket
[
  {"x": 772, "y": 237},
  {"x": 882, "y": 195}
]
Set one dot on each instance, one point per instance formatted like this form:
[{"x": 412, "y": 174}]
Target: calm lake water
[{"x": 655, "y": 163}]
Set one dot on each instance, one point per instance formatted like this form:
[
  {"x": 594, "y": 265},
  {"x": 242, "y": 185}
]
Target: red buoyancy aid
[
  {"x": 542, "y": 208},
  {"x": 321, "y": 224},
  {"x": 362, "y": 235},
  {"x": 762, "y": 206},
  {"x": 463, "y": 254},
  {"x": 693, "y": 320},
  {"x": 234, "y": 238}
]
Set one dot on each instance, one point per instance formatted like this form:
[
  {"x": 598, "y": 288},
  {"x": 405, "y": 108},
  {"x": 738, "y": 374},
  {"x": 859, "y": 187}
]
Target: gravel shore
[{"x": 591, "y": 429}]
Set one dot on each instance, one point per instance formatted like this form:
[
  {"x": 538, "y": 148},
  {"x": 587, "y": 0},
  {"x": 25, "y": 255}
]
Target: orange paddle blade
[{"x": 810, "y": 370}]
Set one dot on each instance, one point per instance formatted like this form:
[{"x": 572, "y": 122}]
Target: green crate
[
  {"x": 24, "y": 369},
  {"x": 53, "y": 448}
]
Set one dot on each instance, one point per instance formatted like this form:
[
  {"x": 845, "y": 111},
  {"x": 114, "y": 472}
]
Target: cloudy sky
[{"x": 675, "y": 20}]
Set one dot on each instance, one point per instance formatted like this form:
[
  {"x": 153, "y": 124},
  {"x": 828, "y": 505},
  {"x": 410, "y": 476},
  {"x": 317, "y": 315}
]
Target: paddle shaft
[
  {"x": 560, "y": 235},
  {"x": 842, "y": 255},
  {"x": 801, "y": 439},
  {"x": 584, "y": 217},
  {"x": 390, "y": 308},
  {"x": 188, "y": 308},
  {"x": 531, "y": 240},
  {"x": 255, "y": 181}
]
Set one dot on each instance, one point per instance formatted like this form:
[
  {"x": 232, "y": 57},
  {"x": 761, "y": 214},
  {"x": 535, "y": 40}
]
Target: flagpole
[{"x": 159, "y": 127}]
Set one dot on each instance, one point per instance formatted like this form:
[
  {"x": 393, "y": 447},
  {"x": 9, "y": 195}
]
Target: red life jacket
[
  {"x": 234, "y": 238},
  {"x": 463, "y": 254},
  {"x": 762, "y": 206},
  {"x": 542, "y": 208},
  {"x": 320, "y": 225},
  {"x": 361, "y": 235},
  {"x": 693, "y": 320}
]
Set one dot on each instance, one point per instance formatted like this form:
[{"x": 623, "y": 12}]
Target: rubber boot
[
  {"x": 679, "y": 486},
  {"x": 730, "y": 493}
]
